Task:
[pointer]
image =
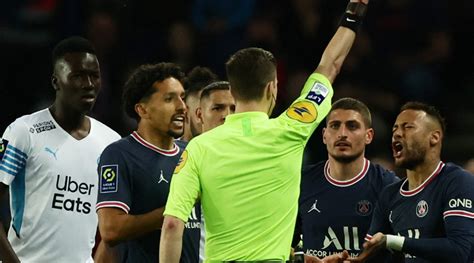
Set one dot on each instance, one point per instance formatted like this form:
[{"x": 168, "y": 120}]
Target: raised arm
[{"x": 338, "y": 48}]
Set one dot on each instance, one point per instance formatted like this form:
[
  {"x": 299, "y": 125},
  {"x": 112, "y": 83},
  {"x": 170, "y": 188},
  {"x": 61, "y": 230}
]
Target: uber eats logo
[{"x": 67, "y": 186}]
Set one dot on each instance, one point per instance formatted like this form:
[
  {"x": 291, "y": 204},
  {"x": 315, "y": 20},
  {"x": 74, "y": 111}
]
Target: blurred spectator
[
  {"x": 181, "y": 46},
  {"x": 407, "y": 49},
  {"x": 220, "y": 25}
]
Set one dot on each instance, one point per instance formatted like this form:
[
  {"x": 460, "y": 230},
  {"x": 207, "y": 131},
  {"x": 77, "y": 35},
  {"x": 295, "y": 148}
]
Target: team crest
[
  {"x": 364, "y": 208},
  {"x": 422, "y": 208},
  {"x": 109, "y": 179},
  {"x": 181, "y": 162},
  {"x": 302, "y": 111},
  {"x": 318, "y": 93},
  {"x": 3, "y": 147}
]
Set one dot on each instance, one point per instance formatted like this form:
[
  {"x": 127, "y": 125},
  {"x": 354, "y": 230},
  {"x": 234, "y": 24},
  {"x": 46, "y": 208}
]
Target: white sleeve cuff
[{"x": 395, "y": 242}]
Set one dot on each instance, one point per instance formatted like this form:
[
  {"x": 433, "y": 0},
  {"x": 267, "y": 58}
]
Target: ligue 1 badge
[
  {"x": 422, "y": 208},
  {"x": 108, "y": 179}
]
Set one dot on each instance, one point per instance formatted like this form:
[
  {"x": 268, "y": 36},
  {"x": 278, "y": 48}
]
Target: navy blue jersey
[
  {"x": 335, "y": 215},
  {"x": 435, "y": 218},
  {"x": 135, "y": 176}
]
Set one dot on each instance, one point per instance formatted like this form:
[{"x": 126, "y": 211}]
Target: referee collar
[{"x": 259, "y": 115}]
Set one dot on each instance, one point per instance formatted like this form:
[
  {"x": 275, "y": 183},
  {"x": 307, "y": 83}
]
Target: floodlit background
[{"x": 407, "y": 50}]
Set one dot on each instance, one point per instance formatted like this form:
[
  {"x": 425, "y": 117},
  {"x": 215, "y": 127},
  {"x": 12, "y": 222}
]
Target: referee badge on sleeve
[
  {"x": 181, "y": 162},
  {"x": 108, "y": 179},
  {"x": 302, "y": 111},
  {"x": 318, "y": 93}
]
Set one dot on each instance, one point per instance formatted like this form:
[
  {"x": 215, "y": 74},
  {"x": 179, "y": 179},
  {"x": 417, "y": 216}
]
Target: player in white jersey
[{"x": 49, "y": 161}]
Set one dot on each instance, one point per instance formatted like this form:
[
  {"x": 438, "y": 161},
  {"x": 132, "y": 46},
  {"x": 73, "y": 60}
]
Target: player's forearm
[
  {"x": 171, "y": 240},
  {"x": 104, "y": 253},
  {"x": 116, "y": 227},
  {"x": 340, "y": 44},
  {"x": 453, "y": 250},
  {"x": 6, "y": 251}
]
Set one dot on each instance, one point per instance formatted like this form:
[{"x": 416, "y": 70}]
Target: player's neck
[
  {"x": 74, "y": 123},
  {"x": 162, "y": 141},
  {"x": 345, "y": 171},
  {"x": 421, "y": 172}
]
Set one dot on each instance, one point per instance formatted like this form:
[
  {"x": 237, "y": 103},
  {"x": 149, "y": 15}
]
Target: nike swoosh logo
[{"x": 350, "y": 20}]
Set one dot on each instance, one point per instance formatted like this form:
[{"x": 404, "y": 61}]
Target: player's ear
[
  {"x": 54, "y": 82},
  {"x": 369, "y": 135},
  {"x": 435, "y": 137},
  {"x": 140, "y": 109},
  {"x": 199, "y": 114},
  {"x": 324, "y": 135}
]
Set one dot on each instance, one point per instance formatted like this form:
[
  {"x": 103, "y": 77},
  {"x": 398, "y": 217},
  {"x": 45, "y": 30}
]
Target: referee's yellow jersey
[{"x": 247, "y": 174}]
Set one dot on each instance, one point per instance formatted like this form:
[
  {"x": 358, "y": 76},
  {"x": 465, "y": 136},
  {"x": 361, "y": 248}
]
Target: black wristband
[
  {"x": 357, "y": 9},
  {"x": 353, "y": 16},
  {"x": 351, "y": 21}
]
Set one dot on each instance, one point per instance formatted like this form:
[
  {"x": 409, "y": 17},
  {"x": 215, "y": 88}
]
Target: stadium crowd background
[{"x": 407, "y": 50}]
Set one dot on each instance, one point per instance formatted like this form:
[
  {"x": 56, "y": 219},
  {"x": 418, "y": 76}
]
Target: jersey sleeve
[
  {"x": 389, "y": 177},
  {"x": 114, "y": 180},
  {"x": 185, "y": 186},
  {"x": 310, "y": 108},
  {"x": 381, "y": 217},
  {"x": 458, "y": 218},
  {"x": 14, "y": 151}
]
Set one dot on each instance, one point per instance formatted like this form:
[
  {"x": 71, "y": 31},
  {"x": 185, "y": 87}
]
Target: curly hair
[{"x": 139, "y": 85}]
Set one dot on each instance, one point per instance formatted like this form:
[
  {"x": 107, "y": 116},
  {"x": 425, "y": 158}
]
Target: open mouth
[
  {"x": 88, "y": 97},
  {"x": 397, "y": 148},
  {"x": 178, "y": 120}
]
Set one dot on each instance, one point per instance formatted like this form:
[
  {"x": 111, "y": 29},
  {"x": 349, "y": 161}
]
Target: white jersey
[{"x": 53, "y": 187}]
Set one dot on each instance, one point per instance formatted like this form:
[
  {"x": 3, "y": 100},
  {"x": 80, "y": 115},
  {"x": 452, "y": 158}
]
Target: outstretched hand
[
  {"x": 371, "y": 247},
  {"x": 336, "y": 258}
]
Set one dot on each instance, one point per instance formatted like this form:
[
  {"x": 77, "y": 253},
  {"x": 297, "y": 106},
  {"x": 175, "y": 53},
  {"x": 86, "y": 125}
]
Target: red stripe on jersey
[
  {"x": 357, "y": 178},
  {"x": 115, "y": 204},
  {"x": 142, "y": 141},
  {"x": 424, "y": 184},
  {"x": 461, "y": 213}
]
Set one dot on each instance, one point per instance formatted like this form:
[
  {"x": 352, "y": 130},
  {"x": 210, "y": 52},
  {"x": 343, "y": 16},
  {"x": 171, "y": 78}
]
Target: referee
[{"x": 246, "y": 172}]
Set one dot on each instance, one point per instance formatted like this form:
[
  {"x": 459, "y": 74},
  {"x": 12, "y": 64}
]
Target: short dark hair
[
  {"x": 428, "y": 109},
  {"x": 248, "y": 71},
  {"x": 197, "y": 79},
  {"x": 139, "y": 85},
  {"x": 219, "y": 85},
  {"x": 74, "y": 44},
  {"x": 355, "y": 105}
]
